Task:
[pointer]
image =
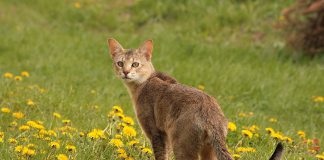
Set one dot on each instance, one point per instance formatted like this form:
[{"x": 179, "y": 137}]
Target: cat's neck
[{"x": 133, "y": 87}]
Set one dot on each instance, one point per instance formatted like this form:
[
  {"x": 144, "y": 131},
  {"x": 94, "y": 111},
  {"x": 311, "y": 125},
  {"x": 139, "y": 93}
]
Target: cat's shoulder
[{"x": 163, "y": 77}]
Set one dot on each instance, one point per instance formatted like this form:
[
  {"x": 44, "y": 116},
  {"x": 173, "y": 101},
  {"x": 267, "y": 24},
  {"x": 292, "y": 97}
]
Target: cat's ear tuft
[
  {"x": 114, "y": 46},
  {"x": 147, "y": 49}
]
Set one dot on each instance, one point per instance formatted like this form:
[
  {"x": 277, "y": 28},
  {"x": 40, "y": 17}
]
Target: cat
[{"x": 173, "y": 116}]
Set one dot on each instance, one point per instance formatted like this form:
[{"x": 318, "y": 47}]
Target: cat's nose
[{"x": 125, "y": 72}]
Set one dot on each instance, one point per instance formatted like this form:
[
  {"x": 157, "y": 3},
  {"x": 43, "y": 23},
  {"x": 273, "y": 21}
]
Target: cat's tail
[
  {"x": 223, "y": 154},
  {"x": 220, "y": 148},
  {"x": 278, "y": 152}
]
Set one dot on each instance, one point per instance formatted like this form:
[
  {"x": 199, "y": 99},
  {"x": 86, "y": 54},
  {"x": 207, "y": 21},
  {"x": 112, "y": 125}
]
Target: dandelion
[
  {"x": 66, "y": 121},
  {"x": 273, "y": 120},
  {"x": 116, "y": 142},
  {"x": 62, "y": 157},
  {"x": 301, "y": 134},
  {"x": 56, "y": 115},
  {"x": 31, "y": 145},
  {"x": 7, "y": 75},
  {"x": 35, "y": 125},
  {"x": 81, "y": 134},
  {"x": 133, "y": 143},
  {"x": 70, "y": 148},
  {"x": 54, "y": 145},
  {"x": 12, "y": 141},
  {"x": 24, "y": 128},
  {"x": 129, "y": 131},
  {"x": 201, "y": 87},
  {"x": 24, "y": 74},
  {"x": 245, "y": 149},
  {"x": 147, "y": 150},
  {"x": 128, "y": 120},
  {"x": 287, "y": 139},
  {"x": 320, "y": 156},
  {"x": 236, "y": 156},
  {"x": 18, "y": 78},
  {"x": 253, "y": 128},
  {"x": 231, "y": 126},
  {"x": 30, "y": 102},
  {"x": 13, "y": 124},
  {"x": 277, "y": 136},
  {"x": 18, "y": 115},
  {"x": 96, "y": 134},
  {"x": 247, "y": 133},
  {"x": 77, "y": 5},
  {"x": 19, "y": 148},
  {"x": 117, "y": 109},
  {"x": 270, "y": 130},
  {"x": 5, "y": 110},
  {"x": 122, "y": 153},
  {"x": 318, "y": 99}
]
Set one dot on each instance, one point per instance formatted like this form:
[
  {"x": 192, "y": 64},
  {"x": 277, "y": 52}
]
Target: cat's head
[{"x": 132, "y": 65}]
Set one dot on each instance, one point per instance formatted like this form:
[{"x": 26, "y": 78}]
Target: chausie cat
[{"x": 172, "y": 115}]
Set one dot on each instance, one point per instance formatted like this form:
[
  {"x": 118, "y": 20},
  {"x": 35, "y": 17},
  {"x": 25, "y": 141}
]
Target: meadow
[{"x": 59, "y": 98}]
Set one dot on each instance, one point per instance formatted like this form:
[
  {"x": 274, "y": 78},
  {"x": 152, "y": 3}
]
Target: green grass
[{"x": 197, "y": 42}]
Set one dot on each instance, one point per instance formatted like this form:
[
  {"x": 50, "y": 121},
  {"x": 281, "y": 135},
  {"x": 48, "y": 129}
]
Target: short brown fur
[{"x": 173, "y": 116}]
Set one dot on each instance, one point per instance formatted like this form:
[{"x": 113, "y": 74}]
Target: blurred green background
[{"x": 228, "y": 46}]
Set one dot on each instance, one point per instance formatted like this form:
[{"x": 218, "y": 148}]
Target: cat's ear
[
  {"x": 147, "y": 49},
  {"x": 114, "y": 46}
]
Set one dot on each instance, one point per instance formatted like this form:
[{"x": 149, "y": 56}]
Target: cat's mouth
[{"x": 126, "y": 78}]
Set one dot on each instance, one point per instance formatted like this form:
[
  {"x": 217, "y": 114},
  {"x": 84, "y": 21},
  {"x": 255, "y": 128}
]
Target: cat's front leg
[{"x": 160, "y": 146}]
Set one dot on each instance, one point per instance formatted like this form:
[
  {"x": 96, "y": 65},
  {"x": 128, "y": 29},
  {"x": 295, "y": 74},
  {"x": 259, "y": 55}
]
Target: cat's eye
[
  {"x": 135, "y": 64},
  {"x": 120, "y": 63}
]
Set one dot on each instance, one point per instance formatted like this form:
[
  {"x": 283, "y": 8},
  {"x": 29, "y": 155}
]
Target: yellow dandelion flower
[
  {"x": 31, "y": 145},
  {"x": 273, "y": 120},
  {"x": 70, "y": 148},
  {"x": 318, "y": 99},
  {"x": 118, "y": 136},
  {"x": 96, "y": 134},
  {"x": 287, "y": 139},
  {"x": 56, "y": 115},
  {"x": 253, "y": 128},
  {"x": 201, "y": 87},
  {"x": 133, "y": 143},
  {"x": 19, "y": 148},
  {"x": 147, "y": 150},
  {"x": 62, "y": 157},
  {"x": 18, "y": 115},
  {"x": 81, "y": 134},
  {"x": 2, "y": 134},
  {"x": 128, "y": 120},
  {"x": 301, "y": 134},
  {"x": 24, "y": 74},
  {"x": 77, "y": 5},
  {"x": 116, "y": 142},
  {"x": 30, "y": 102},
  {"x": 245, "y": 149},
  {"x": 29, "y": 152},
  {"x": 5, "y": 110},
  {"x": 270, "y": 130},
  {"x": 241, "y": 114},
  {"x": 35, "y": 125},
  {"x": 18, "y": 78},
  {"x": 247, "y": 133},
  {"x": 129, "y": 158},
  {"x": 12, "y": 141},
  {"x": 277, "y": 136},
  {"x": 8, "y": 75},
  {"x": 54, "y": 145},
  {"x": 129, "y": 131},
  {"x": 24, "y": 128},
  {"x": 117, "y": 109},
  {"x": 66, "y": 121},
  {"x": 1, "y": 140},
  {"x": 236, "y": 156},
  {"x": 231, "y": 126},
  {"x": 121, "y": 153},
  {"x": 13, "y": 124},
  {"x": 320, "y": 157}
]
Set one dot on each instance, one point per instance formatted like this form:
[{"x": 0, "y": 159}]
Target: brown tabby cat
[{"x": 172, "y": 115}]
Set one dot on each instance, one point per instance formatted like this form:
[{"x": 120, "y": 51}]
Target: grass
[{"x": 230, "y": 47}]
